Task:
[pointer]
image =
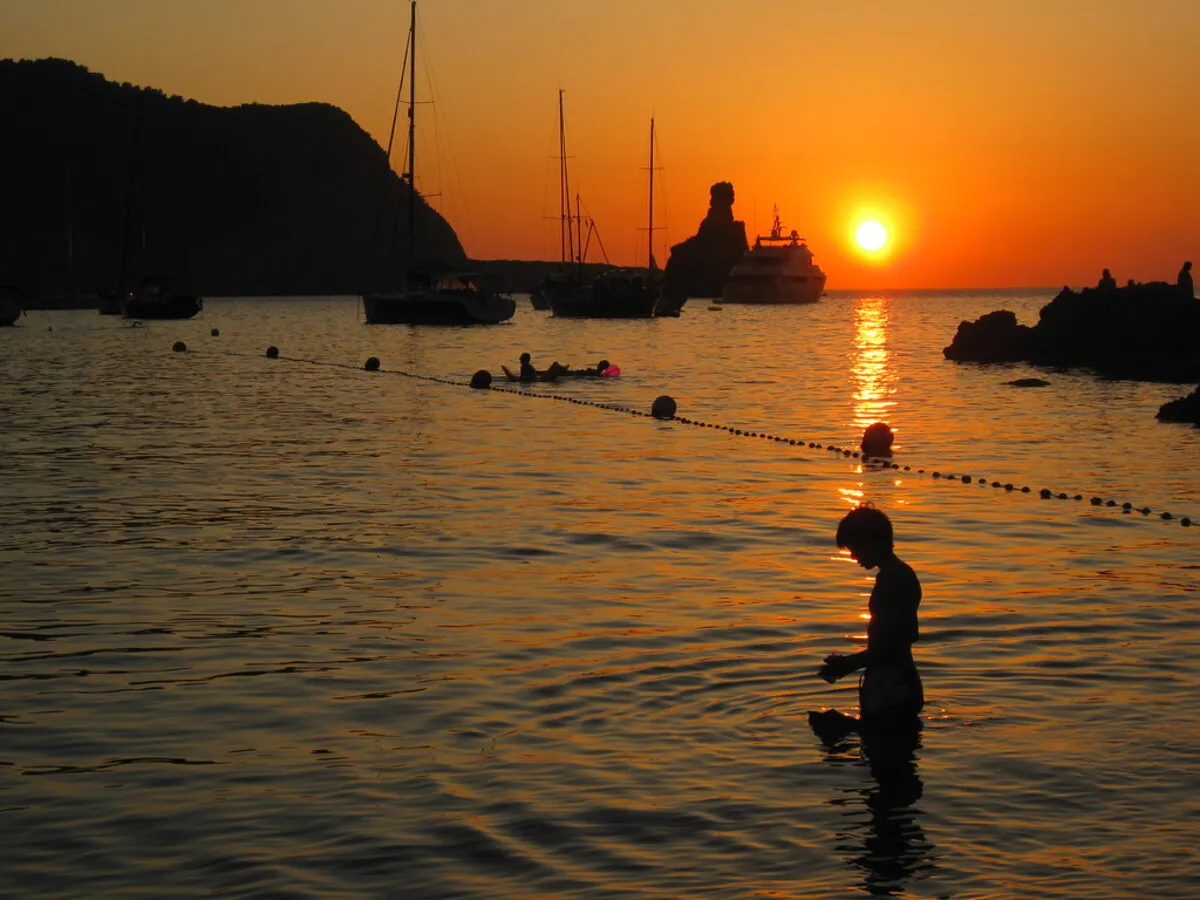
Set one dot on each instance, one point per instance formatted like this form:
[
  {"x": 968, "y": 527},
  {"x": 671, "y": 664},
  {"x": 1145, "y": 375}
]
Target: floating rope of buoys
[{"x": 482, "y": 380}]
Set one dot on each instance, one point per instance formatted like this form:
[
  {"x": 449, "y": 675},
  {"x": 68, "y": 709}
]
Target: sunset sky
[{"x": 1016, "y": 143}]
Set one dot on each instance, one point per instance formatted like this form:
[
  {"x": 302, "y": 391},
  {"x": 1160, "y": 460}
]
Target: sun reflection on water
[{"x": 873, "y": 376}]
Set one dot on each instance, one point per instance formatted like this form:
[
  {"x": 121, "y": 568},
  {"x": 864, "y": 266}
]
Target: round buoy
[
  {"x": 663, "y": 407},
  {"x": 215, "y": 332},
  {"x": 481, "y": 380},
  {"x": 372, "y": 364},
  {"x": 179, "y": 347},
  {"x": 272, "y": 352}
]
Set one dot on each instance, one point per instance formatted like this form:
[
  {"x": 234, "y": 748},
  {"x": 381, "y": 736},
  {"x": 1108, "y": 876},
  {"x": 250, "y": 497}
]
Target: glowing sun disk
[{"x": 871, "y": 235}]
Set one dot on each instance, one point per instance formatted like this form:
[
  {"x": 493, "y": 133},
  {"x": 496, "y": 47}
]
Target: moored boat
[
  {"x": 11, "y": 306},
  {"x": 429, "y": 296},
  {"x": 622, "y": 293},
  {"x": 449, "y": 299},
  {"x": 778, "y": 269},
  {"x": 615, "y": 294},
  {"x": 152, "y": 302}
]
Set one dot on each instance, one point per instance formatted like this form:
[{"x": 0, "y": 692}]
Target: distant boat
[
  {"x": 623, "y": 293},
  {"x": 778, "y": 269},
  {"x": 152, "y": 301},
  {"x": 430, "y": 295},
  {"x": 11, "y": 306}
]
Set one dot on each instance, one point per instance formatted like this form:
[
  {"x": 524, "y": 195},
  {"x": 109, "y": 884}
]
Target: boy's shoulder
[{"x": 896, "y": 574}]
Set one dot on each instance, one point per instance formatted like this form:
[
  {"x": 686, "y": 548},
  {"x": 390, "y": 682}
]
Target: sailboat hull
[
  {"x": 618, "y": 294},
  {"x": 171, "y": 306},
  {"x": 10, "y": 309},
  {"x": 433, "y": 307}
]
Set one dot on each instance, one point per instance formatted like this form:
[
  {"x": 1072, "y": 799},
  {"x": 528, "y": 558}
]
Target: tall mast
[
  {"x": 566, "y": 234},
  {"x": 412, "y": 132},
  {"x": 650, "y": 224}
]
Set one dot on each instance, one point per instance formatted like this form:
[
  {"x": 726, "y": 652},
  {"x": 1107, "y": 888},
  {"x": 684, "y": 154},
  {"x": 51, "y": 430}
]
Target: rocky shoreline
[{"x": 1145, "y": 332}]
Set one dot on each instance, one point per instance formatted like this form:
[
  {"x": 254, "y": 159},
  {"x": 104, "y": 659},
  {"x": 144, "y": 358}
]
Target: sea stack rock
[{"x": 698, "y": 266}]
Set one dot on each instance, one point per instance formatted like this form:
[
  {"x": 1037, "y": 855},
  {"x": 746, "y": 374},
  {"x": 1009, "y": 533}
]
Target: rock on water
[
  {"x": 1149, "y": 332},
  {"x": 1185, "y": 409},
  {"x": 699, "y": 266}
]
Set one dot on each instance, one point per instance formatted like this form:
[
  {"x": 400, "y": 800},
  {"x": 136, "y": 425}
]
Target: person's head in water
[
  {"x": 867, "y": 533},
  {"x": 525, "y": 357},
  {"x": 602, "y": 365},
  {"x": 877, "y": 440}
]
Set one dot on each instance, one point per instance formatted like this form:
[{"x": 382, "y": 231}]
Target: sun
[{"x": 871, "y": 236}]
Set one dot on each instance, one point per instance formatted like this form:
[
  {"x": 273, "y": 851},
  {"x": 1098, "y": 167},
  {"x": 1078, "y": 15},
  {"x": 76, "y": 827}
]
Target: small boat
[
  {"x": 451, "y": 298},
  {"x": 153, "y": 302},
  {"x": 778, "y": 269},
  {"x": 108, "y": 303},
  {"x": 429, "y": 295},
  {"x": 11, "y": 306}
]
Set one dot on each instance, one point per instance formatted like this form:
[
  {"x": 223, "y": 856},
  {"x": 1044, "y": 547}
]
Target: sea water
[{"x": 288, "y": 628}]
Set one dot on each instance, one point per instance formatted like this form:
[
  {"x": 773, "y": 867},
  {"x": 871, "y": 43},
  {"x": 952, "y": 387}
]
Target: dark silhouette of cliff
[
  {"x": 1149, "y": 332},
  {"x": 247, "y": 200},
  {"x": 699, "y": 266}
]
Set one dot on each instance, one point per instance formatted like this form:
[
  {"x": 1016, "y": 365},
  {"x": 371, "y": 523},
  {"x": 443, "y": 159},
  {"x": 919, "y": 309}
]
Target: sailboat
[
  {"x": 430, "y": 295},
  {"x": 137, "y": 296},
  {"x": 566, "y": 285},
  {"x": 624, "y": 293}
]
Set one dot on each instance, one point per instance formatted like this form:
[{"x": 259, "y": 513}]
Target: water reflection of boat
[
  {"x": 430, "y": 295},
  {"x": 778, "y": 269}
]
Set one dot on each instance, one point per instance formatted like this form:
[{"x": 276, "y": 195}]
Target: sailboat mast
[
  {"x": 650, "y": 224},
  {"x": 412, "y": 133},
  {"x": 566, "y": 234}
]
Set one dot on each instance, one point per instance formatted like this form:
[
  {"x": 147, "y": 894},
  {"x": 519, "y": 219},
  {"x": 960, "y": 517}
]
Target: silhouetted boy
[{"x": 890, "y": 693}]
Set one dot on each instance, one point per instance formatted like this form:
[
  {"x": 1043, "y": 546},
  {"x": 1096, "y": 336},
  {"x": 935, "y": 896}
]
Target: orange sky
[{"x": 1017, "y": 143}]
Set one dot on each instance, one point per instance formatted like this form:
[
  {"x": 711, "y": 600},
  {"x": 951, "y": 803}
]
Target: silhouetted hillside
[{"x": 231, "y": 201}]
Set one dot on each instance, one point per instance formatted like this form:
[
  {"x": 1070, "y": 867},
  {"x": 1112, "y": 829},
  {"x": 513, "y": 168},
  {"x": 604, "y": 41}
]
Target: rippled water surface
[{"x": 273, "y": 628}]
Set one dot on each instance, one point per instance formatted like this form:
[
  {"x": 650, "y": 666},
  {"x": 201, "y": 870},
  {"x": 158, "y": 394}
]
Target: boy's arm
[{"x": 838, "y": 665}]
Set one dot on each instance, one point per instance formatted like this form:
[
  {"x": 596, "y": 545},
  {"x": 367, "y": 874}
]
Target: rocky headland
[
  {"x": 699, "y": 266},
  {"x": 1148, "y": 332},
  {"x": 245, "y": 200}
]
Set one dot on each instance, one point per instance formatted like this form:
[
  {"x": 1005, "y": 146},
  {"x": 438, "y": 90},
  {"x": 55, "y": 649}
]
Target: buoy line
[{"x": 664, "y": 409}]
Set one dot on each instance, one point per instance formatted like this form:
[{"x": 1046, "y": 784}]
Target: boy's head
[{"x": 867, "y": 533}]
